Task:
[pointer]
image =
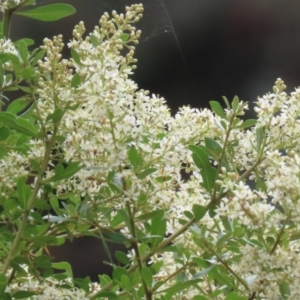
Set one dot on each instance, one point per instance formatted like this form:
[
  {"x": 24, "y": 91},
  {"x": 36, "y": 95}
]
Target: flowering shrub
[{"x": 206, "y": 202}]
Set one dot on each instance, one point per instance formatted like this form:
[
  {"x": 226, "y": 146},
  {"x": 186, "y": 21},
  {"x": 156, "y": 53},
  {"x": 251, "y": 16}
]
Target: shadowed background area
[{"x": 191, "y": 52}]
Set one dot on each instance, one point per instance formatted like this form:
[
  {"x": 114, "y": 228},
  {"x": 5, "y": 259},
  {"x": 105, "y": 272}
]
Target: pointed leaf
[
  {"x": 217, "y": 108},
  {"x": 75, "y": 81},
  {"x": 75, "y": 56},
  {"x": 200, "y": 156},
  {"x": 147, "y": 276},
  {"x": 199, "y": 211},
  {"x": 50, "y": 12},
  {"x": 248, "y": 123},
  {"x": 23, "y": 50},
  {"x": 122, "y": 257},
  {"x": 70, "y": 170},
  {"x": 146, "y": 173},
  {"x": 235, "y": 103},
  {"x": 134, "y": 158},
  {"x": 63, "y": 266},
  {"x": 24, "y": 191}
]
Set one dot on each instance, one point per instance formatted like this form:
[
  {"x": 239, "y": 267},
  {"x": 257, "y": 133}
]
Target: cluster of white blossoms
[
  {"x": 7, "y": 4},
  {"x": 48, "y": 289},
  {"x": 135, "y": 155}
]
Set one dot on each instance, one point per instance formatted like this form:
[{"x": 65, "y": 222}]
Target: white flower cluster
[
  {"x": 7, "y": 4},
  {"x": 135, "y": 155},
  {"x": 48, "y": 289}
]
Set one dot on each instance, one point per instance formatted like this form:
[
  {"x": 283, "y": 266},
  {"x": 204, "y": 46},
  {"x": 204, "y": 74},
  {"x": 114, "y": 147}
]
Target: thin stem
[
  {"x": 135, "y": 246},
  {"x": 6, "y": 22},
  {"x": 224, "y": 263},
  {"x": 162, "y": 245}
]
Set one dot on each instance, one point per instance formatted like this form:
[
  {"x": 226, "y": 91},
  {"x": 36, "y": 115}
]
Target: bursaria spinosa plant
[{"x": 206, "y": 203}]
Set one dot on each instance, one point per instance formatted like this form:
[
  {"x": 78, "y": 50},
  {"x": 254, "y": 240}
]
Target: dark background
[{"x": 191, "y": 52}]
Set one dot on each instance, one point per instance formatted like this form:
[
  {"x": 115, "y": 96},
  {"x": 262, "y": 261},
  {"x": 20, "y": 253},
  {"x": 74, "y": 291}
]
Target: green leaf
[
  {"x": 35, "y": 165},
  {"x": 235, "y": 103},
  {"x": 70, "y": 170},
  {"x": 147, "y": 276},
  {"x": 4, "y": 133},
  {"x": 260, "y": 184},
  {"x": 213, "y": 148},
  {"x": 19, "y": 124},
  {"x": 247, "y": 124},
  {"x": 223, "y": 238},
  {"x": 157, "y": 213},
  {"x": 134, "y": 158},
  {"x": 201, "y": 160},
  {"x": 56, "y": 116},
  {"x": 217, "y": 108},
  {"x": 235, "y": 296},
  {"x": 23, "y": 51},
  {"x": 50, "y": 12},
  {"x": 226, "y": 102},
  {"x": 63, "y": 266},
  {"x": 124, "y": 37},
  {"x": 200, "y": 156},
  {"x": 5, "y": 57},
  {"x": 28, "y": 42},
  {"x": 23, "y": 126},
  {"x": 180, "y": 286},
  {"x": 125, "y": 282},
  {"x": 203, "y": 272},
  {"x": 285, "y": 290},
  {"x": 122, "y": 257},
  {"x": 3, "y": 282},
  {"x": 29, "y": 2},
  {"x": 27, "y": 73},
  {"x": 115, "y": 237},
  {"x": 158, "y": 228},
  {"x": 104, "y": 295},
  {"x": 118, "y": 272},
  {"x": 146, "y": 173},
  {"x": 188, "y": 214},
  {"x": 260, "y": 136},
  {"x": 23, "y": 295},
  {"x": 75, "y": 81},
  {"x": 38, "y": 56},
  {"x": 24, "y": 192},
  {"x": 94, "y": 40},
  {"x": 199, "y": 212},
  {"x": 200, "y": 298},
  {"x": 75, "y": 56}
]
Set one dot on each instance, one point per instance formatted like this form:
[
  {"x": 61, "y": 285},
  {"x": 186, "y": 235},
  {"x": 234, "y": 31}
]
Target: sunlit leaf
[{"x": 50, "y": 12}]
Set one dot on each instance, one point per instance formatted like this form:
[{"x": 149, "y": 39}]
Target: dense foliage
[{"x": 206, "y": 202}]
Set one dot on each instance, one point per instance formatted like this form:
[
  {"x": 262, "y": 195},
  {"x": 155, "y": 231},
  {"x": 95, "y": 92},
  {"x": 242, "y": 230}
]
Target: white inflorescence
[{"x": 111, "y": 115}]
